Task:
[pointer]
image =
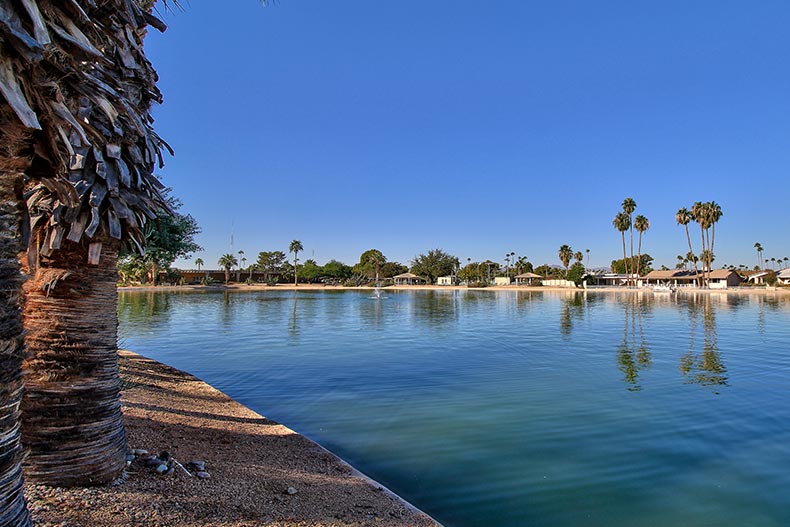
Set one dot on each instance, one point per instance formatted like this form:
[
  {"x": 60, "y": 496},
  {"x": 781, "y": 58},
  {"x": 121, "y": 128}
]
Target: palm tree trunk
[
  {"x": 71, "y": 408},
  {"x": 691, "y": 250},
  {"x": 625, "y": 258},
  {"x": 13, "y": 511},
  {"x": 639, "y": 257}
]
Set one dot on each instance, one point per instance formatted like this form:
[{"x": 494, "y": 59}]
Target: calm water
[{"x": 512, "y": 408}]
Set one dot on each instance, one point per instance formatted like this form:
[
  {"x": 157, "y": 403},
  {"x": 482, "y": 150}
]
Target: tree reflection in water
[
  {"x": 707, "y": 368},
  {"x": 633, "y": 353}
]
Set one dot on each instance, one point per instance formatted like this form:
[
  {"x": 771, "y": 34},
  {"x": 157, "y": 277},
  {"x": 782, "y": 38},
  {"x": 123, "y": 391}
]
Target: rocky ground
[{"x": 245, "y": 470}]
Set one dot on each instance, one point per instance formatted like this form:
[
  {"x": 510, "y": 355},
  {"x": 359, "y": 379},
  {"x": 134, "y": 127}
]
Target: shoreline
[
  {"x": 516, "y": 288},
  {"x": 261, "y": 473}
]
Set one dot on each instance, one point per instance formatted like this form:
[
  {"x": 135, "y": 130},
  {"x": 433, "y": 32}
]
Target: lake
[{"x": 511, "y": 407}]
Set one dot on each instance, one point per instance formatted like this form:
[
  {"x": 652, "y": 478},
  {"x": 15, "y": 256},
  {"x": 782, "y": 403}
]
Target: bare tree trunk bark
[
  {"x": 13, "y": 511},
  {"x": 71, "y": 409}
]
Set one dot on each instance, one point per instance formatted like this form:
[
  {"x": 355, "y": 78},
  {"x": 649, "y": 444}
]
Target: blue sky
[{"x": 477, "y": 127}]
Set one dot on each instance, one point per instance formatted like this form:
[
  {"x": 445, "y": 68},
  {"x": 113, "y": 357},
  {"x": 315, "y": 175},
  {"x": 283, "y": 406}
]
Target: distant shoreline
[{"x": 524, "y": 288}]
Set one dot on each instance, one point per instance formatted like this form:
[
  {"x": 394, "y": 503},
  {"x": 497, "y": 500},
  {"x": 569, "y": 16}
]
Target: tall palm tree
[
  {"x": 700, "y": 214},
  {"x": 76, "y": 95},
  {"x": 242, "y": 259},
  {"x": 759, "y": 254},
  {"x": 578, "y": 256},
  {"x": 295, "y": 247},
  {"x": 683, "y": 217},
  {"x": 227, "y": 262},
  {"x": 12, "y": 504},
  {"x": 622, "y": 222},
  {"x": 588, "y": 257},
  {"x": 566, "y": 255},
  {"x": 629, "y": 206},
  {"x": 714, "y": 215},
  {"x": 641, "y": 224},
  {"x": 199, "y": 263}
]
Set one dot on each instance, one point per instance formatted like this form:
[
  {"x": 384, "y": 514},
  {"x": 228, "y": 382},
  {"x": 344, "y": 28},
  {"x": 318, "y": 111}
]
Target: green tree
[
  {"x": 272, "y": 264},
  {"x": 545, "y": 270},
  {"x": 576, "y": 273},
  {"x": 622, "y": 222},
  {"x": 645, "y": 261},
  {"x": 390, "y": 269},
  {"x": 566, "y": 255},
  {"x": 641, "y": 224},
  {"x": 759, "y": 255},
  {"x": 311, "y": 271},
  {"x": 227, "y": 262},
  {"x": 294, "y": 248},
  {"x": 370, "y": 263},
  {"x": 683, "y": 217},
  {"x": 167, "y": 237},
  {"x": 433, "y": 264},
  {"x": 629, "y": 206},
  {"x": 337, "y": 270}
]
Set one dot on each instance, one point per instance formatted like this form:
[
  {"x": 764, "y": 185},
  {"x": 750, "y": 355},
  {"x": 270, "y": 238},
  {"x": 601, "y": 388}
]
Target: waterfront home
[
  {"x": 502, "y": 280},
  {"x": 784, "y": 276},
  {"x": 756, "y": 277},
  {"x": 448, "y": 280},
  {"x": 528, "y": 279},
  {"x": 724, "y": 278},
  {"x": 408, "y": 279},
  {"x": 673, "y": 277}
]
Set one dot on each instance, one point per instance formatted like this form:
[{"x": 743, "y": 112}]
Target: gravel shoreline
[{"x": 257, "y": 472}]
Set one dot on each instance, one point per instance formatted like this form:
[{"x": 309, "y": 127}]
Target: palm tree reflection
[
  {"x": 707, "y": 368},
  {"x": 633, "y": 353}
]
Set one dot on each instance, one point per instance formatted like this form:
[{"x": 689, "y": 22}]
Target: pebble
[
  {"x": 161, "y": 468},
  {"x": 140, "y": 452},
  {"x": 130, "y": 458},
  {"x": 198, "y": 465},
  {"x": 291, "y": 491},
  {"x": 203, "y": 474}
]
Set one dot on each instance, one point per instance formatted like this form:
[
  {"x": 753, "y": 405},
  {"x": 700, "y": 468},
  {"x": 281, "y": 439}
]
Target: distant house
[
  {"x": 610, "y": 279},
  {"x": 448, "y": 280},
  {"x": 757, "y": 277},
  {"x": 528, "y": 279},
  {"x": 784, "y": 276},
  {"x": 502, "y": 280},
  {"x": 724, "y": 278},
  {"x": 675, "y": 277},
  {"x": 408, "y": 279}
]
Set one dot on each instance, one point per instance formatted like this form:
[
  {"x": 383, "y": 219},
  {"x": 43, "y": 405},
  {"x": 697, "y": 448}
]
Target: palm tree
[
  {"x": 12, "y": 504},
  {"x": 714, "y": 215},
  {"x": 588, "y": 257},
  {"x": 90, "y": 102},
  {"x": 629, "y": 206},
  {"x": 759, "y": 253},
  {"x": 199, "y": 263},
  {"x": 578, "y": 256},
  {"x": 622, "y": 222},
  {"x": 295, "y": 247},
  {"x": 700, "y": 214},
  {"x": 773, "y": 261},
  {"x": 227, "y": 262},
  {"x": 242, "y": 259},
  {"x": 641, "y": 224},
  {"x": 683, "y": 217},
  {"x": 566, "y": 255}
]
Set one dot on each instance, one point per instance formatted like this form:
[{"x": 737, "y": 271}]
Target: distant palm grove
[{"x": 373, "y": 268}]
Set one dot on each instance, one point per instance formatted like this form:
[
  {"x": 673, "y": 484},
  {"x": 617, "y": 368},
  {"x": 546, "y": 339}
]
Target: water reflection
[
  {"x": 633, "y": 352},
  {"x": 705, "y": 366}
]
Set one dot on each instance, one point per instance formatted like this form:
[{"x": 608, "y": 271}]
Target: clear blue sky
[{"x": 477, "y": 127}]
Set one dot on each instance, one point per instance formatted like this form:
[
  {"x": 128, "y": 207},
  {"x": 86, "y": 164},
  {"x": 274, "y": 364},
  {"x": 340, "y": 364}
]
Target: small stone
[
  {"x": 140, "y": 452},
  {"x": 291, "y": 491},
  {"x": 152, "y": 461},
  {"x": 161, "y": 468},
  {"x": 203, "y": 474},
  {"x": 198, "y": 465},
  {"x": 130, "y": 458}
]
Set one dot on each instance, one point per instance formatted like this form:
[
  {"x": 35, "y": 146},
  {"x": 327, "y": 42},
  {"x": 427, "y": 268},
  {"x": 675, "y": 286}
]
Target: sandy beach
[{"x": 260, "y": 473}]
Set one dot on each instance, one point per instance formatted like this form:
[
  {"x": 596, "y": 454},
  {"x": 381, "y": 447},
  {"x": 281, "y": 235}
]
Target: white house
[
  {"x": 447, "y": 280},
  {"x": 784, "y": 276},
  {"x": 724, "y": 278},
  {"x": 502, "y": 280}
]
